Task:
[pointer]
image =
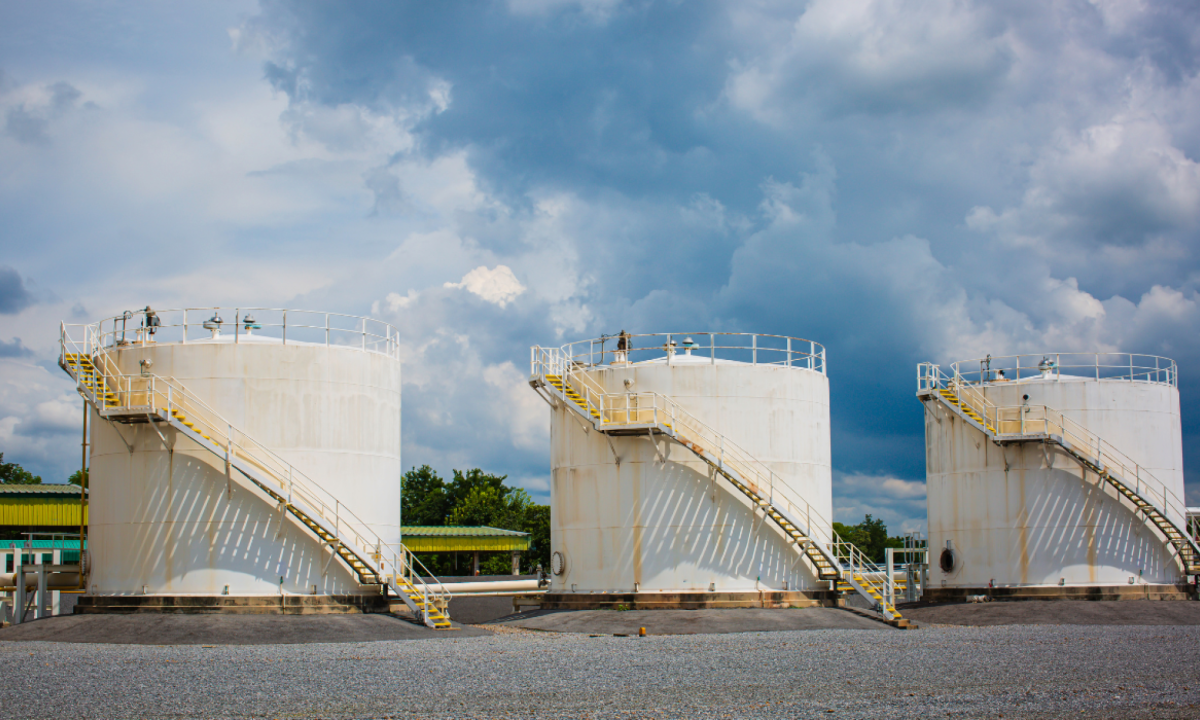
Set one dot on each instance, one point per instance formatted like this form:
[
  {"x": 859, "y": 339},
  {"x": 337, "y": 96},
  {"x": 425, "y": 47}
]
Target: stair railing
[
  {"x": 161, "y": 396},
  {"x": 866, "y": 572}
]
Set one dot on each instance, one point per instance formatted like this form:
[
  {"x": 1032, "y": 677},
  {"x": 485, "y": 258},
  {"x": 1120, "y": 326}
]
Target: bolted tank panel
[
  {"x": 1029, "y": 514},
  {"x": 165, "y": 519},
  {"x": 636, "y": 514}
]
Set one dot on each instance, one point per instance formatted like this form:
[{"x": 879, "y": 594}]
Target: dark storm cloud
[
  {"x": 30, "y": 124},
  {"x": 14, "y": 349},
  {"x": 899, "y": 181},
  {"x": 14, "y": 297}
]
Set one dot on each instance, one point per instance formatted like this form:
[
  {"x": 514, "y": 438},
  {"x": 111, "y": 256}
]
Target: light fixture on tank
[{"x": 213, "y": 325}]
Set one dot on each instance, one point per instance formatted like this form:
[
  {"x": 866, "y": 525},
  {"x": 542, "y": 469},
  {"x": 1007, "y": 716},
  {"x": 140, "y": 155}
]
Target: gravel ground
[
  {"x": 690, "y": 622},
  {"x": 936, "y": 672},
  {"x": 1058, "y": 612}
]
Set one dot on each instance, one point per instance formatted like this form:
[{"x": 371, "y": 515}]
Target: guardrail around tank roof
[
  {"x": 754, "y": 348},
  {"x": 1022, "y": 421},
  {"x": 237, "y": 324},
  {"x": 1096, "y": 366}
]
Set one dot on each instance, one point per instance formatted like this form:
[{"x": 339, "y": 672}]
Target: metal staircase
[
  {"x": 559, "y": 380},
  {"x": 1150, "y": 498},
  {"x": 157, "y": 401}
]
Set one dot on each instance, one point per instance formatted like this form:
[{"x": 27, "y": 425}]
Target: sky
[{"x": 899, "y": 180}]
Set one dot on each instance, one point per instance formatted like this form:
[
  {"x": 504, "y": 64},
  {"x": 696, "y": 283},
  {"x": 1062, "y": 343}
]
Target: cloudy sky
[{"x": 900, "y": 180}]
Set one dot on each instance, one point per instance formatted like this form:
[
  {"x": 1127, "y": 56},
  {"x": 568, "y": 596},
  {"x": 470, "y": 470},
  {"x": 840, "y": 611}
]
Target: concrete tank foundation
[
  {"x": 234, "y": 605},
  {"x": 690, "y": 601}
]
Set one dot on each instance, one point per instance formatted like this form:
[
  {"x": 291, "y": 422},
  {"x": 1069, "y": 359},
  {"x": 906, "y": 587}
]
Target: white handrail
[
  {"x": 753, "y": 348},
  {"x": 1131, "y": 367},
  {"x": 241, "y": 325}
]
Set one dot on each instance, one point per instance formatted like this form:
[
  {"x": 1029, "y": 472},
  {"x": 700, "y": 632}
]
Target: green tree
[
  {"x": 870, "y": 536},
  {"x": 14, "y": 474},
  {"x": 423, "y": 498},
  {"x": 458, "y": 489},
  {"x": 475, "y": 498},
  {"x": 503, "y": 508},
  {"x": 537, "y": 524},
  {"x": 79, "y": 477}
]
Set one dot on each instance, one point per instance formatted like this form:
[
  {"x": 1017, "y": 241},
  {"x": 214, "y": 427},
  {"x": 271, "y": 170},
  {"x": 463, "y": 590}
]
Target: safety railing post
[
  {"x": 284, "y": 327},
  {"x": 754, "y": 349},
  {"x": 789, "y": 352},
  {"x": 185, "y": 327},
  {"x": 364, "y": 334},
  {"x": 237, "y": 324},
  {"x": 712, "y": 348},
  {"x": 326, "y": 327}
]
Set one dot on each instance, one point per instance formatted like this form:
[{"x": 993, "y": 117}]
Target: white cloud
[
  {"x": 498, "y": 286},
  {"x": 866, "y": 55},
  {"x": 518, "y": 408}
]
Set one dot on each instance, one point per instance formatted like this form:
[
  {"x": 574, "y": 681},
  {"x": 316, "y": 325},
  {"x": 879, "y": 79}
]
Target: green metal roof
[
  {"x": 43, "y": 489},
  {"x": 41, "y": 544},
  {"x": 455, "y": 538},
  {"x": 457, "y": 531}
]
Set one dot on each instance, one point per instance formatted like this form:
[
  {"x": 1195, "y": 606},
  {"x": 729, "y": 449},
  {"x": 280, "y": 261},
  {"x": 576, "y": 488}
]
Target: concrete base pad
[
  {"x": 233, "y": 604},
  {"x": 688, "y": 600},
  {"x": 214, "y": 629},
  {"x": 689, "y": 622},
  {"x": 1056, "y": 592}
]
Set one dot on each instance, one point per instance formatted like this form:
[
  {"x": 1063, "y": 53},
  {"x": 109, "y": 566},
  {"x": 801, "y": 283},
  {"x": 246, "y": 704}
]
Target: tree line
[
  {"x": 475, "y": 498},
  {"x": 870, "y": 536},
  {"x": 14, "y": 474}
]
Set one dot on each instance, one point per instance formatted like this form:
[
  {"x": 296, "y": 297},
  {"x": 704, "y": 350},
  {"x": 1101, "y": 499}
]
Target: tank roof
[
  {"x": 710, "y": 348},
  {"x": 1068, "y": 367},
  {"x": 233, "y": 325}
]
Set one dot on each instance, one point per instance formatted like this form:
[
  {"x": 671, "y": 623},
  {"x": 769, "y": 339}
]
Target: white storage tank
[
  {"x": 320, "y": 391},
  {"x": 635, "y": 516},
  {"x": 1015, "y": 516}
]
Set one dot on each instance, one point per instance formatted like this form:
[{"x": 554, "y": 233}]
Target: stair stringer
[
  {"x": 1181, "y": 545},
  {"x": 367, "y": 571}
]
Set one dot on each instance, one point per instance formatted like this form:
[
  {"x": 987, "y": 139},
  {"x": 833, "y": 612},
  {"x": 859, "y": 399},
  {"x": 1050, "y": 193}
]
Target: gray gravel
[
  {"x": 938, "y": 672},
  {"x": 1058, "y": 612},
  {"x": 690, "y": 622}
]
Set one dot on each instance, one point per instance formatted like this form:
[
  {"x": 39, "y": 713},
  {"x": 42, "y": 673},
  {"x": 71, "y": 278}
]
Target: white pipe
[{"x": 487, "y": 586}]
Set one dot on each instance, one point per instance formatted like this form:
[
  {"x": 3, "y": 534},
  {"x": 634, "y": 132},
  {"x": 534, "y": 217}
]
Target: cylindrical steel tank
[
  {"x": 164, "y": 517},
  {"x": 1029, "y": 515},
  {"x": 641, "y": 514}
]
